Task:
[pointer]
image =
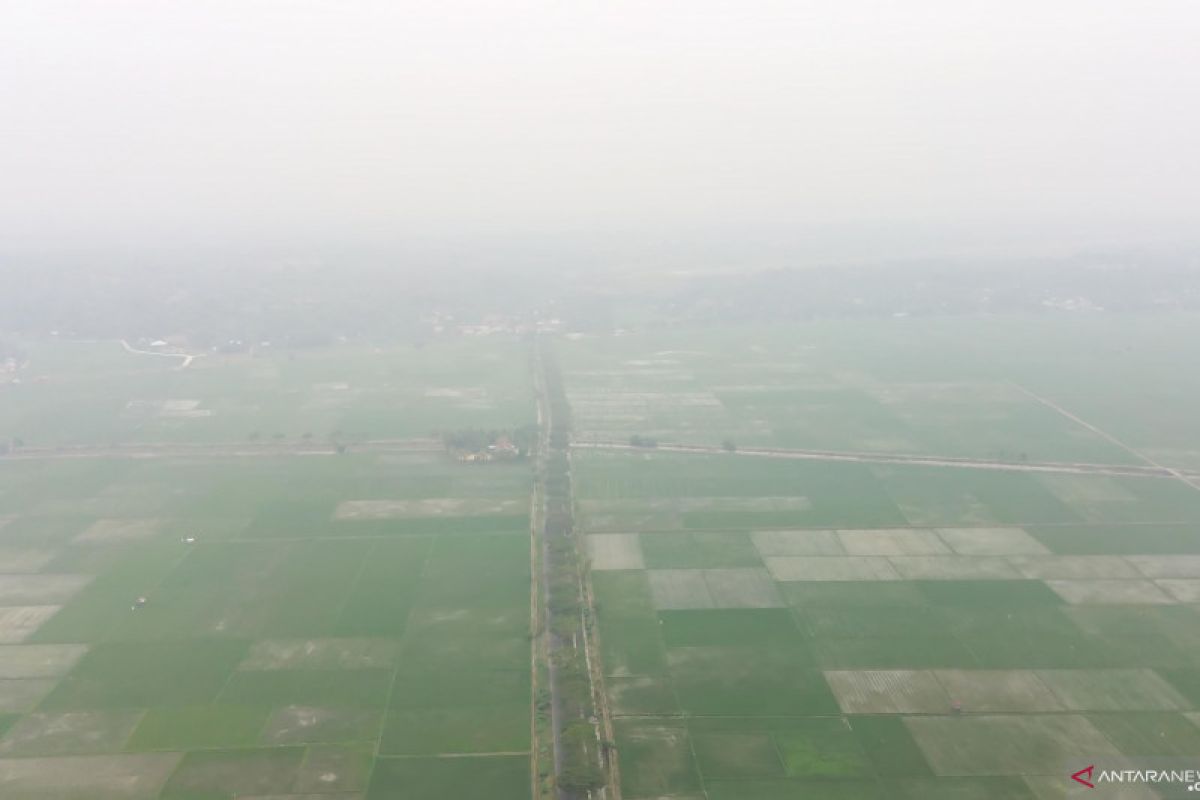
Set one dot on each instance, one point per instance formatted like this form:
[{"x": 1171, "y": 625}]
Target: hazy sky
[{"x": 252, "y": 120}]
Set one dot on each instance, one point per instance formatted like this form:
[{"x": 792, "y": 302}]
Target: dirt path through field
[{"x": 1151, "y": 470}]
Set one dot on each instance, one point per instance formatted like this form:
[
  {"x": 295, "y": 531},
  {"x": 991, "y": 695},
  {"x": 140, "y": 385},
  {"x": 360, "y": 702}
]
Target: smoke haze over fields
[{"x": 856, "y": 129}]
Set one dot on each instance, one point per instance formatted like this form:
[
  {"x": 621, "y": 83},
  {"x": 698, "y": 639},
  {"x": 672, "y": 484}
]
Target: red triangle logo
[{"x": 1079, "y": 776}]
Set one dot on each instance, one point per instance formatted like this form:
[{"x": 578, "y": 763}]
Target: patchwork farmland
[
  {"x": 777, "y": 627},
  {"x": 194, "y": 607},
  {"x": 826, "y": 568}
]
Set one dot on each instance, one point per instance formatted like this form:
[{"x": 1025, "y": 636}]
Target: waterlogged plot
[
  {"x": 308, "y": 725},
  {"x": 18, "y": 623},
  {"x": 39, "y": 661},
  {"x": 952, "y": 568},
  {"x": 119, "y": 530},
  {"x": 1112, "y": 690},
  {"x": 346, "y": 654},
  {"x": 429, "y": 507},
  {"x": 712, "y": 588},
  {"x": 1165, "y": 733},
  {"x": 741, "y": 588},
  {"x": 69, "y": 733},
  {"x": 831, "y": 568},
  {"x": 21, "y": 559},
  {"x": 1047, "y": 567},
  {"x": 108, "y": 777},
  {"x": 888, "y": 692},
  {"x": 18, "y": 695},
  {"x": 1184, "y": 590},
  {"x": 991, "y": 541},
  {"x": 1109, "y": 592},
  {"x": 799, "y": 543},
  {"x": 1174, "y": 566},
  {"x": 891, "y": 542},
  {"x": 615, "y": 551},
  {"x": 1033, "y": 744},
  {"x": 982, "y": 691},
  {"x": 43, "y": 589},
  {"x": 679, "y": 588}
]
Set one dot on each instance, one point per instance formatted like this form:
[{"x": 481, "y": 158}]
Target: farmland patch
[
  {"x": 679, "y": 588},
  {"x": 429, "y": 507},
  {"x": 1034, "y": 744},
  {"x": 307, "y": 724},
  {"x": 39, "y": 660},
  {"x": 893, "y": 542},
  {"x": 888, "y": 692},
  {"x": 17, "y": 623},
  {"x": 1112, "y": 690},
  {"x": 1074, "y": 567},
  {"x": 609, "y": 551},
  {"x": 69, "y": 733},
  {"x": 831, "y": 568},
  {"x": 798, "y": 543},
  {"x": 1184, "y": 590},
  {"x": 997, "y": 690},
  {"x": 38, "y": 590},
  {"x": 741, "y": 588},
  {"x": 108, "y": 777},
  {"x": 321, "y": 654},
  {"x": 119, "y": 530},
  {"x": 991, "y": 541},
  {"x": 20, "y": 559},
  {"x": 1109, "y": 592},
  {"x": 950, "y": 568}
]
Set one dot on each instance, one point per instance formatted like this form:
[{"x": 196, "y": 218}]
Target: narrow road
[
  {"x": 1181, "y": 475},
  {"x": 187, "y": 358},
  {"x": 223, "y": 449},
  {"x": 1151, "y": 471},
  {"x": 553, "y": 642}
]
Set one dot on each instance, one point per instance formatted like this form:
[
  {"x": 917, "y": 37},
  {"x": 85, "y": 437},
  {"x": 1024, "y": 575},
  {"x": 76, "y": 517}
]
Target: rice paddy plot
[{"x": 212, "y": 626}]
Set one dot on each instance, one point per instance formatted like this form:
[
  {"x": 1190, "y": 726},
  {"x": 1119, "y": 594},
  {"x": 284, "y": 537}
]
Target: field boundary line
[
  {"x": 592, "y": 642},
  {"x": 188, "y": 358},
  {"x": 1150, "y": 471},
  {"x": 496, "y": 754},
  {"x": 535, "y": 641},
  {"x": 387, "y": 703},
  {"x": 1107, "y": 436},
  {"x": 362, "y": 568}
]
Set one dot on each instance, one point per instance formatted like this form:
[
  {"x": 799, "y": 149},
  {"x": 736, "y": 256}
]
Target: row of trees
[
  {"x": 567, "y": 615},
  {"x": 477, "y": 440},
  {"x": 638, "y": 440}
]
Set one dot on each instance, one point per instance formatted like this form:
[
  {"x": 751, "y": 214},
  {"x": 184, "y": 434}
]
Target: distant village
[{"x": 479, "y": 446}]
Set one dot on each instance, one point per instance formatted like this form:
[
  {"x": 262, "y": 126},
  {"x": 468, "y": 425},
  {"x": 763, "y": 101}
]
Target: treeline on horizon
[{"x": 319, "y": 303}]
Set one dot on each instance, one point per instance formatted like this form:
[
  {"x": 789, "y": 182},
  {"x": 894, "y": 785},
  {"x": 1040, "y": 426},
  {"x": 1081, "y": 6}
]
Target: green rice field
[
  {"x": 342, "y": 626},
  {"x": 775, "y": 629},
  {"x": 336, "y": 609}
]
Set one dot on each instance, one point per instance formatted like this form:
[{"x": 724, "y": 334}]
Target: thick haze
[{"x": 930, "y": 121}]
